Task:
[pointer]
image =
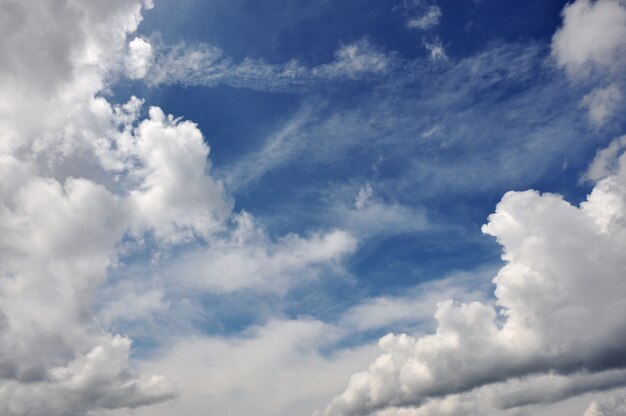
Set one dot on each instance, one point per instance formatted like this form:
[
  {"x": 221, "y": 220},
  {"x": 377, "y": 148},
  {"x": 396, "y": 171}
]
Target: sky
[{"x": 312, "y": 208}]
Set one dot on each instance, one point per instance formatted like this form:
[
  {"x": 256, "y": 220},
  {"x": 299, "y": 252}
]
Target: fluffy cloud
[
  {"x": 564, "y": 271},
  {"x": 603, "y": 103},
  {"x": 139, "y": 58},
  {"x": 593, "y": 35},
  {"x": 174, "y": 197}
]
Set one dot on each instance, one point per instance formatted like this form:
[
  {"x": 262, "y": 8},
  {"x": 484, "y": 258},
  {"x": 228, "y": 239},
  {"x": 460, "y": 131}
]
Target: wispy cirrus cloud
[
  {"x": 209, "y": 66},
  {"x": 428, "y": 20}
]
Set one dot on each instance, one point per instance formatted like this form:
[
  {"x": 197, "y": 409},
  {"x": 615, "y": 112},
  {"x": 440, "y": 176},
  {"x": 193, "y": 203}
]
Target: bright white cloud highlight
[{"x": 139, "y": 58}]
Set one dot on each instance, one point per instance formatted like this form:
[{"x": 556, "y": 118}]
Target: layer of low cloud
[{"x": 299, "y": 362}]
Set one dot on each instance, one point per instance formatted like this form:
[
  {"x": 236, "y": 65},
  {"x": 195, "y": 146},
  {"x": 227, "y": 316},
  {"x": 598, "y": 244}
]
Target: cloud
[
  {"x": 436, "y": 49},
  {"x": 415, "y": 306},
  {"x": 250, "y": 259},
  {"x": 85, "y": 184},
  {"x": 593, "y": 36},
  {"x": 209, "y": 66},
  {"x": 533, "y": 394},
  {"x": 428, "y": 20},
  {"x": 236, "y": 375},
  {"x": 79, "y": 176},
  {"x": 484, "y": 89},
  {"x": 139, "y": 58},
  {"x": 603, "y": 103},
  {"x": 613, "y": 405},
  {"x": 174, "y": 196},
  {"x": 371, "y": 216},
  {"x": 364, "y": 194},
  {"x": 301, "y": 362},
  {"x": 559, "y": 309},
  {"x": 606, "y": 162}
]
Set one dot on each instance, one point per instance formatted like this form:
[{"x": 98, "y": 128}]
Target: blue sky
[
  {"x": 443, "y": 140},
  {"x": 376, "y": 208}
]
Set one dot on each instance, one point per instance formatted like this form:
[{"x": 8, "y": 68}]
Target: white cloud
[
  {"x": 250, "y": 259},
  {"x": 175, "y": 198},
  {"x": 415, "y": 306},
  {"x": 300, "y": 363},
  {"x": 76, "y": 175},
  {"x": 560, "y": 303},
  {"x": 437, "y": 50},
  {"x": 139, "y": 58},
  {"x": 353, "y": 60},
  {"x": 276, "y": 150},
  {"x": 428, "y": 20},
  {"x": 593, "y": 36},
  {"x": 238, "y": 375},
  {"x": 364, "y": 194},
  {"x": 603, "y": 103},
  {"x": 375, "y": 217},
  {"x": 606, "y": 162},
  {"x": 208, "y": 65}
]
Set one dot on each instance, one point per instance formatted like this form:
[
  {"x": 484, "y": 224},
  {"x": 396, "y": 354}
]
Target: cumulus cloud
[
  {"x": 174, "y": 197},
  {"x": 559, "y": 310},
  {"x": 591, "y": 45},
  {"x": 593, "y": 36},
  {"x": 61, "y": 215}
]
